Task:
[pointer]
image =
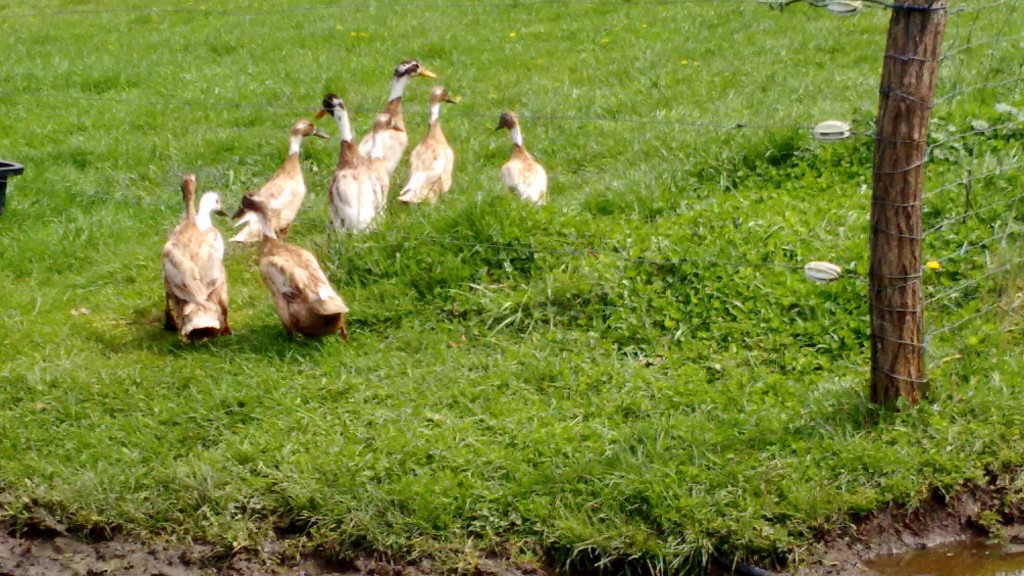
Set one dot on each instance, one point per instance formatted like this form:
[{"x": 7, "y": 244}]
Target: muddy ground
[
  {"x": 974, "y": 511},
  {"x": 47, "y": 551}
]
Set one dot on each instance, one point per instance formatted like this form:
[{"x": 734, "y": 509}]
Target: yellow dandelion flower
[
  {"x": 339, "y": 27},
  {"x": 643, "y": 25},
  {"x": 352, "y": 34},
  {"x": 934, "y": 265},
  {"x": 604, "y": 40},
  {"x": 511, "y": 34},
  {"x": 684, "y": 61}
]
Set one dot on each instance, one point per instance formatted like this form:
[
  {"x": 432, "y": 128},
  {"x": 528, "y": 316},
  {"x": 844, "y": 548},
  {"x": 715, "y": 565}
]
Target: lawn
[{"x": 638, "y": 371}]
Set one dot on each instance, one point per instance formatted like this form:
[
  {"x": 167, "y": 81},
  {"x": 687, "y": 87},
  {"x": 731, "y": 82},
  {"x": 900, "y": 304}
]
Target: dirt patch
[
  {"x": 46, "y": 552},
  {"x": 973, "y": 511},
  {"x": 45, "y": 549}
]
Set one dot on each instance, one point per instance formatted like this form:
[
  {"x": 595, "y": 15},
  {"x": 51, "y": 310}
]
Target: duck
[
  {"x": 432, "y": 160},
  {"x": 522, "y": 174},
  {"x": 305, "y": 301},
  {"x": 283, "y": 193},
  {"x": 395, "y": 138},
  {"x": 356, "y": 193},
  {"x": 195, "y": 282}
]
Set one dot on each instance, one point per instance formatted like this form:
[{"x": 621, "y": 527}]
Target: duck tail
[
  {"x": 412, "y": 193},
  {"x": 329, "y": 307},
  {"x": 200, "y": 322}
]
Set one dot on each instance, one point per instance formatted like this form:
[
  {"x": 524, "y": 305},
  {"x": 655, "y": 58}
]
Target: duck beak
[
  {"x": 321, "y": 134},
  {"x": 220, "y": 212},
  {"x": 320, "y": 114},
  {"x": 427, "y": 73},
  {"x": 454, "y": 100}
]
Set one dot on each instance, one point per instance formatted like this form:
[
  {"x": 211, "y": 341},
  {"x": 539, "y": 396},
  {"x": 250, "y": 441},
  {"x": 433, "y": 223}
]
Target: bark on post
[{"x": 897, "y": 309}]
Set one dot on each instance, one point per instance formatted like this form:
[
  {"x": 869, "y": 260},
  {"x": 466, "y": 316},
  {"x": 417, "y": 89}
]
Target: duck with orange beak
[{"x": 394, "y": 140}]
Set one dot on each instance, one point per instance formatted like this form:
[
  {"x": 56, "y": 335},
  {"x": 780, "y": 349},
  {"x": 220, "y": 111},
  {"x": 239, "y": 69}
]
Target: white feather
[
  {"x": 355, "y": 195},
  {"x": 251, "y": 231}
]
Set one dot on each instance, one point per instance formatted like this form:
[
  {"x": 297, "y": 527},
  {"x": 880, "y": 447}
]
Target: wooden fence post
[{"x": 897, "y": 309}]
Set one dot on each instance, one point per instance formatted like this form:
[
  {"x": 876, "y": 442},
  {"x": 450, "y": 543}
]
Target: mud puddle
[{"x": 974, "y": 557}]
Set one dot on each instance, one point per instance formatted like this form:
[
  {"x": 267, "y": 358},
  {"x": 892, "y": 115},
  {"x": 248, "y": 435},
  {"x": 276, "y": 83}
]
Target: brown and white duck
[
  {"x": 304, "y": 299},
  {"x": 283, "y": 193},
  {"x": 522, "y": 174},
  {"x": 395, "y": 138},
  {"x": 356, "y": 193},
  {"x": 195, "y": 283},
  {"x": 432, "y": 160}
]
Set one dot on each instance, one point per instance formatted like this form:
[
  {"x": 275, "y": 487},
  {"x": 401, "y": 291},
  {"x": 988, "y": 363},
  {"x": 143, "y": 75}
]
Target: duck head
[
  {"x": 331, "y": 104},
  {"x": 188, "y": 194},
  {"x": 412, "y": 68},
  {"x": 259, "y": 208},
  {"x": 300, "y": 130},
  {"x": 188, "y": 188},
  {"x": 439, "y": 94},
  {"x": 210, "y": 203},
  {"x": 508, "y": 119},
  {"x": 304, "y": 128},
  {"x": 403, "y": 72}
]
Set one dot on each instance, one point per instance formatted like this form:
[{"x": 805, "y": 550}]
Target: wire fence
[
  {"x": 972, "y": 281},
  {"x": 258, "y": 11},
  {"x": 972, "y": 209}
]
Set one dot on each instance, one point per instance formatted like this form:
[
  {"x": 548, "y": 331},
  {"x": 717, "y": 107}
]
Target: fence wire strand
[{"x": 361, "y": 6}]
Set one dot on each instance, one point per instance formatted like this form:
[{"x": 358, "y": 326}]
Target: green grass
[{"x": 636, "y": 372}]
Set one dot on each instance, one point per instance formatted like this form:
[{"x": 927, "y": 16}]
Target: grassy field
[{"x": 637, "y": 371}]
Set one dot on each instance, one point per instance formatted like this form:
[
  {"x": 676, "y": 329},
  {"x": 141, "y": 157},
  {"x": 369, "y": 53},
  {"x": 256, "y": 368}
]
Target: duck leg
[
  {"x": 222, "y": 301},
  {"x": 224, "y": 322},
  {"x": 169, "y": 324}
]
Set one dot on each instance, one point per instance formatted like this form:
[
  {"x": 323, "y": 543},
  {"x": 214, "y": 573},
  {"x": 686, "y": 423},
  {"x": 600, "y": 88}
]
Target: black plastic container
[{"x": 7, "y": 169}]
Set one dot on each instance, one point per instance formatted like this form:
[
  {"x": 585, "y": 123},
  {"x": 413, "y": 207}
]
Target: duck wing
[
  {"x": 427, "y": 165},
  {"x": 183, "y": 276}
]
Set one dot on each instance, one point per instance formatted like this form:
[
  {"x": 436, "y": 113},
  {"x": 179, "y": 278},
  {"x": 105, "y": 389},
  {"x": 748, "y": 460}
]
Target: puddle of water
[{"x": 969, "y": 558}]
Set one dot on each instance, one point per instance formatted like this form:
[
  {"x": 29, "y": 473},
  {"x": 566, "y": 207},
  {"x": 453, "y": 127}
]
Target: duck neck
[
  {"x": 394, "y": 112},
  {"x": 203, "y": 220},
  {"x": 377, "y": 150},
  {"x": 344, "y": 126},
  {"x": 188, "y": 196},
  {"x": 294, "y": 144},
  {"x": 349, "y": 155},
  {"x": 517, "y": 135},
  {"x": 435, "y": 112},
  {"x": 398, "y": 87}
]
